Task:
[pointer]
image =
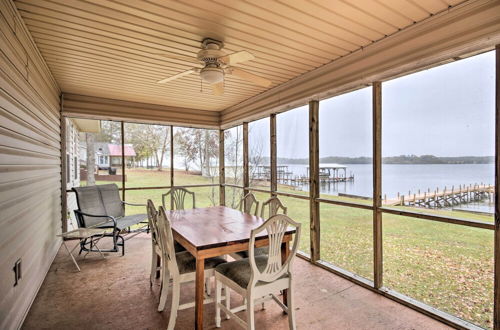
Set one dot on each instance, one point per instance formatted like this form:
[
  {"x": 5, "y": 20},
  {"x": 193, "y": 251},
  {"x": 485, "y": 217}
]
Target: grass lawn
[{"x": 447, "y": 266}]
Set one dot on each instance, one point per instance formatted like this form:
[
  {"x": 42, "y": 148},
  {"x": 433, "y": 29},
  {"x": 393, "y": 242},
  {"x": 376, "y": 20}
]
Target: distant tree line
[{"x": 403, "y": 159}]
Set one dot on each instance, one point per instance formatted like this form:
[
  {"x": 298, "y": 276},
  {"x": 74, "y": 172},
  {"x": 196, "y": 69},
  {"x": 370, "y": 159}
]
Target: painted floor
[{"x": 114, "y": 293}]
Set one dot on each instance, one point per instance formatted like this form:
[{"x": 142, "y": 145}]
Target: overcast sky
[{"x": 444, "y": 111}]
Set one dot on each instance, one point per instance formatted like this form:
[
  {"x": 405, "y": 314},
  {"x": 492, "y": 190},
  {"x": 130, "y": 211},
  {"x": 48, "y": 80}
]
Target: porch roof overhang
[
  {"x": 87, "y": 125},
  {"x": 106, "y": 75}
]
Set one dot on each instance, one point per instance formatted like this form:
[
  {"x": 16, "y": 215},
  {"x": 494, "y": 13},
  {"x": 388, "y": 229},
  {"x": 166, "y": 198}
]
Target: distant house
[{"x": 110, "y": 155}]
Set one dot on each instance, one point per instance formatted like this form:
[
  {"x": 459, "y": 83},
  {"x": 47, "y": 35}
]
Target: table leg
[
  {"x": 71, "y": 255},
  {"x": 199, "y": 293},
  {"x": 285, "y": 252}
]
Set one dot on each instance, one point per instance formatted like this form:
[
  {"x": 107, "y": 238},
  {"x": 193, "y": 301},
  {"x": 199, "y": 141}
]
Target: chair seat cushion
[
  {"x": 240, "y": 271},
  {"x": 258, "y": 252},
  {"x": 187, "y": 263},
  {"x": 130, "y": 220}
]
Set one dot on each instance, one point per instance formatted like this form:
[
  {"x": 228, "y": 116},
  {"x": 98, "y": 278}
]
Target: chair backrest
[
  {"x": 98, "y": 200},
  {"x": 274, "y": 207},
  {"x": 167, "y": 241},
  {"x": 153, "y": 223},
  {"x": 111, "y": 200},
  {"x": 247, "y": 203},
  {"x": 276, "y": 227},
  {"x": 177, "y": 198}
]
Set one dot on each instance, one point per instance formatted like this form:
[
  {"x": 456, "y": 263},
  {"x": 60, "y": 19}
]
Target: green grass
[{"x": 447, "y": 266}]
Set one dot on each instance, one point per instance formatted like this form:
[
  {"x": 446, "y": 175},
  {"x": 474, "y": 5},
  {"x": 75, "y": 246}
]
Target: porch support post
[
  {"x": 377, "y": 184},
  {"x": 222, "y": 170},
  {"x": 273, "y": 156},
  {"x": 122, "y": 132},
  {"x": 314, "y": 179},
  {"x": 64, "y": 201},
  {"x": 246, "y": 171},
  {"x": 496, "y": 290},
  {"x": 171, "y": 164}
]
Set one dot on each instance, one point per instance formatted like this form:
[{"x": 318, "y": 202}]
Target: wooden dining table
[{"x": 216, "y": 231}]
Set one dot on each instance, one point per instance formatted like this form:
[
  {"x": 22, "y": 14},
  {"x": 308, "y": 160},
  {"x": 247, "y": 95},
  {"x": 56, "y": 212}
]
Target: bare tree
[
  {"x": 234, "y": 155},
  {"x": 163, "y": 148}
]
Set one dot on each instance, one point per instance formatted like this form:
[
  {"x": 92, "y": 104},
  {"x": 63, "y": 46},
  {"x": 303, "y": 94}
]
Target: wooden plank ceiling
[{"x": 119, "y": 49}]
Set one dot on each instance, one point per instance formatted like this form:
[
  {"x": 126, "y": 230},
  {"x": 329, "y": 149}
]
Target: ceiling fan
[{"x": 216, "y": 64}]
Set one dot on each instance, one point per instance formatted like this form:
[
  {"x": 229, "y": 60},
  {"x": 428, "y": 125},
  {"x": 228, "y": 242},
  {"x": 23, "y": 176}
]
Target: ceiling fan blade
[
  {"x": 218, "y": 88},
  {"x": 251, "y": 77},
  {"x": 237, "y": 57},
  {"x": 179, "y": 75}
]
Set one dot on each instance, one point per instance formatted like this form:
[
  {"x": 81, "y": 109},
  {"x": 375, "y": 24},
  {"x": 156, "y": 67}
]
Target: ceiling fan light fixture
[{"x": 212, "y": 75}]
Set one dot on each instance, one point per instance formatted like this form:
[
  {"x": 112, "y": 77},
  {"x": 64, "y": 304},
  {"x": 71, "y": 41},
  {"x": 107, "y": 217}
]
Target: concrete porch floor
[{"x": 114, "y": 293}]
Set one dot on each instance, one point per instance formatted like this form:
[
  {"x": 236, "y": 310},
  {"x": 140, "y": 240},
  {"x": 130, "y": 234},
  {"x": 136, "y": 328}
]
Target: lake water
[{"x": 403, "y": 178}]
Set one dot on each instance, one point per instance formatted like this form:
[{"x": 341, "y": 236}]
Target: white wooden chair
[
  {"x": 274, "y": 206},
  {"x": 180, "y": 267},
  {"x": 155, "y": 244},
  {"x": 178, "y": 202},
  {"x": 178, "y": 198},
  {"x": 257, "y": 278},
  {"x": 247, "y": 203}
]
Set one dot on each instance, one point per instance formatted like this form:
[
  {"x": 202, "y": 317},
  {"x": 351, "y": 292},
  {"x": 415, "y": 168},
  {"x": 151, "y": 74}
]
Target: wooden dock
[
  {"x": 444, "y": 198},
  {"x": 327, "y": 175}
]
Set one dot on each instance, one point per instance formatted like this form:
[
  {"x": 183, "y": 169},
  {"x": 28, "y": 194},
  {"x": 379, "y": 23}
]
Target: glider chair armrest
[
  {"x": 81, "y": 214},
  {"x": 134, "y": 204}
]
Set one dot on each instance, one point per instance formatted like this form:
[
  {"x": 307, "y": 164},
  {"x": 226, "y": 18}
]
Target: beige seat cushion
[
  {"x": 239, "y": 271},
  {"x": 187, "y": 263}
]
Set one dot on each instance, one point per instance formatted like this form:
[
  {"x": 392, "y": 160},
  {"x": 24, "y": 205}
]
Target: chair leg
[
  {"x": 291, "y": 307},
  {"x": 250, "y": 313},
  {"x": 123, "y": 245},
  {"x": 82, "y": 246},
  {"x": 175, "y": 304},
  {"x": 164, "y": 289},
  {"x": 208, "y": 287},
  {"x": 218, "y": 292},
  {"x": 153, "y": 266},
  {"x": 115, "y": 241},
  {"x": 227, "y": 292}
]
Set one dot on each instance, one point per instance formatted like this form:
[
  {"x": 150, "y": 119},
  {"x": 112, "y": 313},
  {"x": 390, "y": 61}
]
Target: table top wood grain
[{"x": 217, "y": 226}]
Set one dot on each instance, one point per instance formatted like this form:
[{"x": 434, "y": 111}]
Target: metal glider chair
[
  {"x": 258, "y": 277},
  {"x": 100, "y": 206}
]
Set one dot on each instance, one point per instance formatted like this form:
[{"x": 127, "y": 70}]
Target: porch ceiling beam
[
  {"x": 84, "y": 106},
  {"x": 468, "y": 28}
]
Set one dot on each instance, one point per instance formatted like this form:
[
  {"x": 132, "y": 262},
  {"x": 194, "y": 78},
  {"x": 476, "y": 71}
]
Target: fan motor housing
[{"x": 212, "y": 50}]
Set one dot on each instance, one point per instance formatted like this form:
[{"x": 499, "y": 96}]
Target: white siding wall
[
  {"x": 30, "y": 181},
  {"x": 73, "y": 180}
]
